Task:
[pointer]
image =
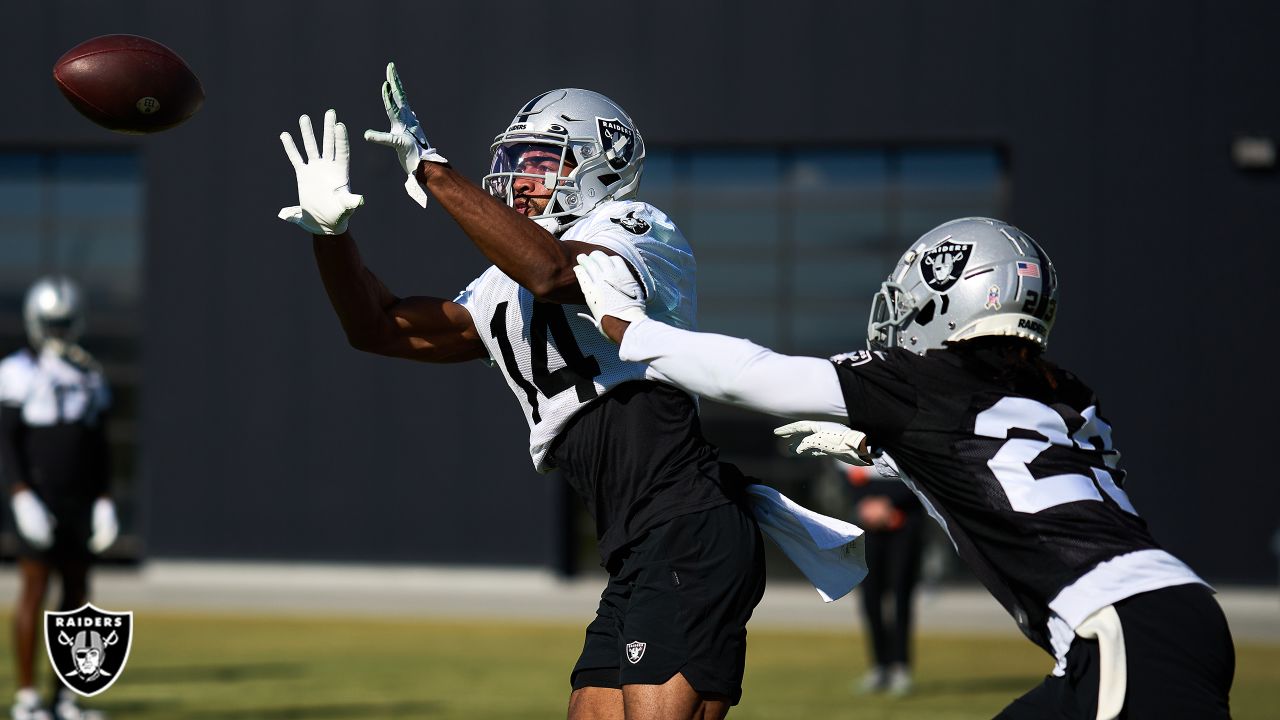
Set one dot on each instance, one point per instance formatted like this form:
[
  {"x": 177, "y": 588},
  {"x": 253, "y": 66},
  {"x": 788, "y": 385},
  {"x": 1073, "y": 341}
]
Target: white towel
[{"x": 831, "y": 553}]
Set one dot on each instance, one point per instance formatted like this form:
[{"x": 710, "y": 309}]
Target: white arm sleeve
[{"x": 736, "y": 371}]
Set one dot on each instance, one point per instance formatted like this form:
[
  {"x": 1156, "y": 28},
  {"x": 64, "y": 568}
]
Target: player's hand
[
  {"x": 610, "y": 289},
  {"x": 34, "y": 521},
  {"x": 105, "y": 526},
  {"x": 406, "y": 137},
  {"x": 814, "y": 437},
  {"x": 325, "y": 201}
]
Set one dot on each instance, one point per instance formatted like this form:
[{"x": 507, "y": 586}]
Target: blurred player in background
[
  {"x": 1007, "y": 451},
  {"x": 684, "y": 557},
  {"x": 53, "y": 455},
  {"x": 893, "y": 519}
]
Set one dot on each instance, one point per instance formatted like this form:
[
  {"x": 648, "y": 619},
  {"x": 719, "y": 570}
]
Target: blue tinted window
[{"x": 793, "y": 242}]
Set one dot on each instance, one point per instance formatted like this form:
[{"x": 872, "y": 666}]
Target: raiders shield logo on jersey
[
  {"x": 855, "y": 358},
  {"x": 635, "y": 651},
  {"x": 617, "y": 141},
  {"x": 88, "y": 647},
  {"x": 941, "y": 266},
  {"x": 632, "y": 224}
]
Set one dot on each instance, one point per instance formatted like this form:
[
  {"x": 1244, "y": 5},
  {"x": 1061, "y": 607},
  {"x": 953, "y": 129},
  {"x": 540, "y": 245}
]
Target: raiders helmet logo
[
  {"x": 632, "y": 224},
  {"x": 617, "y": 141},
  {"x": 88, "y": 647},
  {"x": 635, "y": 651},
  {"x": 941, "y": 266}
]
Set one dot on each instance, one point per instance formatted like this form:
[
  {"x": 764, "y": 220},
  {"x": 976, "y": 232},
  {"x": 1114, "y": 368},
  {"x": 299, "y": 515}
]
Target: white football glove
[
  {"x": 814, "y": 437},
  {"x": 610, "y": 288},
  {"x": 33, "y": 520},
  {"x": 406, "y": 136},
  {"x": 105, "y": 525},
  {"x": 325, "y": 201}
]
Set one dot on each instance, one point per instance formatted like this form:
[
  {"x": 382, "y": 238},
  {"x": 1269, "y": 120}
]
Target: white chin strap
[{"x": 550, "y": 224}]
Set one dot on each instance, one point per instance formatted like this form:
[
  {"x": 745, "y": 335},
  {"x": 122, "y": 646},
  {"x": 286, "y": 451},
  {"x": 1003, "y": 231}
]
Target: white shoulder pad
[
  {"x": 16, "y": 372},
  {"x": 647, "y": 239}
]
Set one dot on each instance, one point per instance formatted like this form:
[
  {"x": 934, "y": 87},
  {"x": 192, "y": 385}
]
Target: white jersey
[
  {"x": 556, "y": 362},
  {"x": 51, "y": 390}
]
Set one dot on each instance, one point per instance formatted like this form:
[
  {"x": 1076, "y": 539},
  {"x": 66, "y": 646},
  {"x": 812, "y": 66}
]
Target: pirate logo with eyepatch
[
  {"x": 635, "y": 651},
  {"x": 88, "y": 647},
  {"x": 617, "y": 141},
  {"x": 632, "y": 224},
  {"x": 940, "y": 267}
]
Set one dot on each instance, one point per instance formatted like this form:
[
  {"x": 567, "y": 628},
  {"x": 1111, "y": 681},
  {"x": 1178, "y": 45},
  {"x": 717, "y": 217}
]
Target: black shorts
[
  {"x": 1179, "y": 663},
  {"x": 679, "y": 603}
]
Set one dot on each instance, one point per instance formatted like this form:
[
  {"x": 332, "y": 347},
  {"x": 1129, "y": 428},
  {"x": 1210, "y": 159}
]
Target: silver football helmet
[
  {"x": 966, "y": 278},
  {"x": 53, "y": 311},
  {"x": 582, "y": 129}
]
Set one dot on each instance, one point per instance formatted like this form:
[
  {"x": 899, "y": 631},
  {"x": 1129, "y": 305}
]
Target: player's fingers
[
  {"x": 388, "y": 103},
  {"x": 330, "y": 120},
  {"x": 341, "y": 149},
  {"x": 291, "y": 150},
  {"x": 618, "y": 268},
  {"x": 596, "y": 261},
  {"x": 584, "y": 277},
  {"x": 351, "y": 201},
  {"x": 381, "y": 138},
  {"x": 584, "y": 262},
  {"x": 800, "y": 426},
  {"x": 308, "y": 134},
  {"x": 397, "y": 87},
  {"x": 291, "y": 213},
  {"x": 811, "y": 445}
]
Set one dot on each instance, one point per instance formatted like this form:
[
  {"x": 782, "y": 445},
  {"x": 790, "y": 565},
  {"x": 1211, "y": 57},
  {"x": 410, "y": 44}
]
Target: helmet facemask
[
  {"x": 592, "y": 153},
  {"x": 550, "y": 164},
  {"x": 891, "y": 311}
]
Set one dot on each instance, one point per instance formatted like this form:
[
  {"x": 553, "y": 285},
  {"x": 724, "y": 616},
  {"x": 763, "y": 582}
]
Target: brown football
[{"x": 128, "y": 83}]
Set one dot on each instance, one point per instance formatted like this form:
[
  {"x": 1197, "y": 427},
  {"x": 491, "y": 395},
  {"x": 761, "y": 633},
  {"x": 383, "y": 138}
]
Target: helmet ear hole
[{"x": 925, "y": 316}]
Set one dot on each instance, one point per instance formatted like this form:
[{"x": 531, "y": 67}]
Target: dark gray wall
[{"x": 265, "y": 436}]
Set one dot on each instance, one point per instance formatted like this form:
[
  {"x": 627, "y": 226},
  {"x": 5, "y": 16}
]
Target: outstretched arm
[
  {"x": 719, "y": 367},
  {"x": 735, "y": 371},
  {"x": 427, "y": 329},
  {"x": 522, "y": 249},
  {"x": 375, "y": 320}
]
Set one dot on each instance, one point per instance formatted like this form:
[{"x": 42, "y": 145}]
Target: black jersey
[
  {"x": 637, "y": 458},
  {"x": 52, "y": 429},
  {"x": 1022, "y": 474}
]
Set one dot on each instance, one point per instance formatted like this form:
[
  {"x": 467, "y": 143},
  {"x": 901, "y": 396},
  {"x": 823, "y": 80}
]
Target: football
[{"x": 129, "y": 84}]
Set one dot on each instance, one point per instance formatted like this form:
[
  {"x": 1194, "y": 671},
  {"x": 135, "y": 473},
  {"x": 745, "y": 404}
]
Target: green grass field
[{"x": 206, "y": 667}]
